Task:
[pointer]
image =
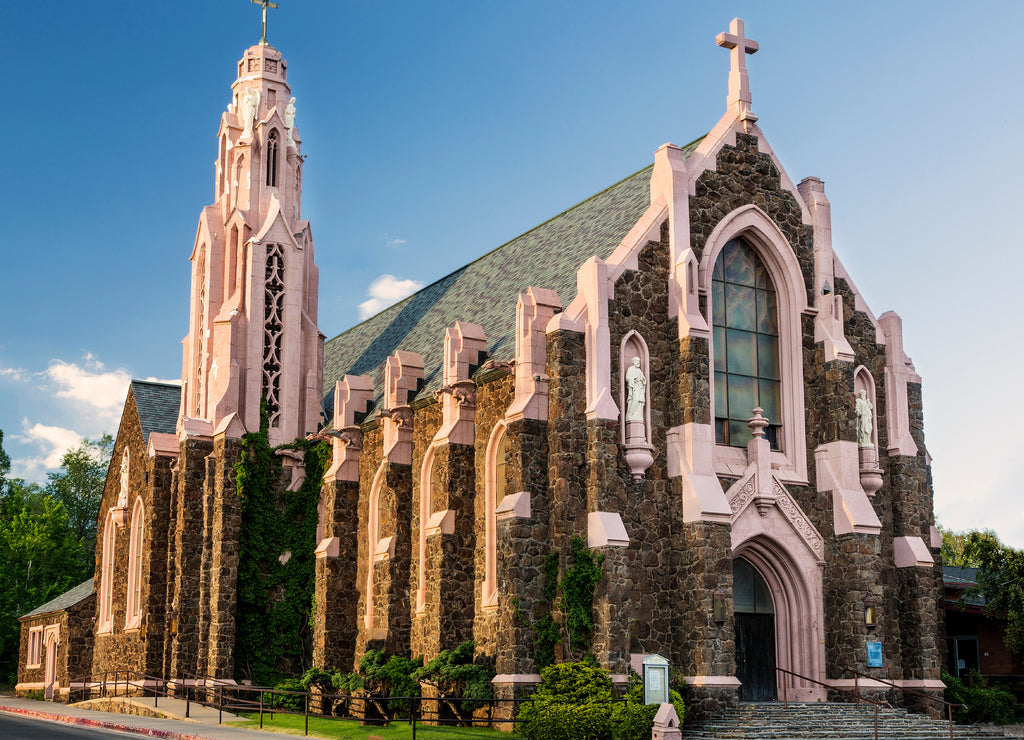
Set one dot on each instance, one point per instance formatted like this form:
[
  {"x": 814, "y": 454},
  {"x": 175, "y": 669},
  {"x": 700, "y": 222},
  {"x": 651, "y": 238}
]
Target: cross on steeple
[
  {"x": 264, "y": 4},
  {"x": 739, "y": 46}
]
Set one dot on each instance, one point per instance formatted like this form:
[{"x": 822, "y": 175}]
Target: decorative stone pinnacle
[
  {"x": 757, "y": 423},
  {"x": 739, "y": 46}
]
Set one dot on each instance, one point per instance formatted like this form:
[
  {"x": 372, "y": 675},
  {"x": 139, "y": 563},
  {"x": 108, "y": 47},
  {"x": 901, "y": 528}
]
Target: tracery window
[
  {"x": 273, "y": 331},
  {"x": 745, "y": 319}
]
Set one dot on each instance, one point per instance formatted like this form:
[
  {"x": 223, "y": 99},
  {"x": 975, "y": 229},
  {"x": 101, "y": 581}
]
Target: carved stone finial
[{"x": 758, "y": 423}]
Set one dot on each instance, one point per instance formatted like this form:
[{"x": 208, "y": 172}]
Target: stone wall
[
  {"x": 335, "y": 620},
  {"x": 74, "y": 650}
]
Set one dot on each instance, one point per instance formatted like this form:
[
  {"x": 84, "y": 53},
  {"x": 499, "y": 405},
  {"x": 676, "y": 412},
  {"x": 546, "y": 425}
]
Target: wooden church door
[{"x": 755, "y": 634}]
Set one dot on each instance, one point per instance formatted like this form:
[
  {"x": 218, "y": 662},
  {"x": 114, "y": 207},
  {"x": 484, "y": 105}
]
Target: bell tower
[{"x": 253, "y": 315}]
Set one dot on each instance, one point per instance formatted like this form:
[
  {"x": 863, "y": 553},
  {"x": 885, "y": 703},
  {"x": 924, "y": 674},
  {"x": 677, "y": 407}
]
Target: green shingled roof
[
  {"x": 485, "y": 291},
  {"x": 158, "y": 405},
  {"x": 65, "y": 601}
]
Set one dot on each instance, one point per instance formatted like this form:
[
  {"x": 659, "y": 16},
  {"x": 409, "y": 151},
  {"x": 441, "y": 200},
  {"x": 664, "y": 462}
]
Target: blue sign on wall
[{"x": 874, "y": 655}]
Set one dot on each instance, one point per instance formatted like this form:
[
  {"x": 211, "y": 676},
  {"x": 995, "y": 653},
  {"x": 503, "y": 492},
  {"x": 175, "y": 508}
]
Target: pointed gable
[{"x": 157, "y": 405}]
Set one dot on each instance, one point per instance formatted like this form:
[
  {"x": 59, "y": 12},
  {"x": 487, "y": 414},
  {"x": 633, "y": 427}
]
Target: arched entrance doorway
[
  {"x": 50, "y": 662},
  {"x": 755, "y": 633}
]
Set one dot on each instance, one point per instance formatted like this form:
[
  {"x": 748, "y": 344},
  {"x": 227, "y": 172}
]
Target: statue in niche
[
  {"x": 250, "y": 102},
  {"x": 122, "y": 496},
  {"x": 289, "y": 120},
  {"x": 865, "y": 425},
  {"x": 636, "y": 391}
]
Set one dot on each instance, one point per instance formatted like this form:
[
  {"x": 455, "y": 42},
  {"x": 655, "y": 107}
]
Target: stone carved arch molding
[
  {"x": 377, "y": 548},
  {"x": 795, "y": 585},
  {"x": 776, "y": 510},
  {"x": 489, "y": 591},
  {"x": 754, "y": 226}
]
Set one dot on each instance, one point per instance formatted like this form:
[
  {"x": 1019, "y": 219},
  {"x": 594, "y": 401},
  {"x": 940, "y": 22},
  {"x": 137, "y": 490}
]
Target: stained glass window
[{"x": 745, "y": 319}]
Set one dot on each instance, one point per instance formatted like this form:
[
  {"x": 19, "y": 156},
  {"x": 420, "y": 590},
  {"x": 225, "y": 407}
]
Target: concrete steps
[{"x": 824, "y": 721}]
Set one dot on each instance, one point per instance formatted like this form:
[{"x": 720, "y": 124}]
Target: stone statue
[
  {"x": 250, "y": 104},
  {"x": 122, "y": 496},
  {"x": 289, "y": 120},
  {"x": 636, "y": 391},
  {"x": 865, "y": 425}
]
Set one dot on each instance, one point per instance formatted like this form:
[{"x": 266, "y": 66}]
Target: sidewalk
[{"x": 170, "y": 729}]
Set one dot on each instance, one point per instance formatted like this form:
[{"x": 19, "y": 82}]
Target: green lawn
[{"x": 291, "y": 724}]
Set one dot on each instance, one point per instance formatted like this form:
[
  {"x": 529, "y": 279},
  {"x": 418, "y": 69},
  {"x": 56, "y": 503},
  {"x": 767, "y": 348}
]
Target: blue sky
[{"x": 437, "y": 131}]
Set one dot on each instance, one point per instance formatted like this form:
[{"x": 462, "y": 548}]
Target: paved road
[{"x": 28, "y": 728}]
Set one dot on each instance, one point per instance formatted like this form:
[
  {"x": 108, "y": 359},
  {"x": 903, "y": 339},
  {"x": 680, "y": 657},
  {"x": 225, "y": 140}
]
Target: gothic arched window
[
  {"x": 106, "y": 619},
  {"x": 745, "y": 317},
  {"x": 272, "y": 159},
  {"x": 134, "y": 601}
]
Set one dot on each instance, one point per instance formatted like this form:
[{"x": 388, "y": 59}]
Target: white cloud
[
  {"x": 51, "y": 442},
  {"x": 384, "y": 291},
  {"x": 14, "y": 373},
  {"x": 394, "y": 242},
  {"x": 103, "y": 390}
]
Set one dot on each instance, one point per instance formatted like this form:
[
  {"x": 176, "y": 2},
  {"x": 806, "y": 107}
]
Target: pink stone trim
[
  {"x": 514, "y": 506},
  {"x": 464, "y": 345},
  {"x": 764, "y": 236},
  {"x": 935, "y": 537},
  {"x": 534, "y": 310},
  {"x": 105, "y": 622},
  {"x": 898, "y": 372},
  {"x": 592, "y": 283},
  {"x": 328, "y": 548},
  {"x": 372, "y": 541},
  {"x": 516, "y": 678},
  {"x": 869, "y": 683},
  {"x": 133, "y": 606},
  {"x": 426, "y": 507},
  {"x": 352, "y": 395},
  {"x": 441, "y": 522},
  {"x": 666, "y": 717},
  {"x": 721, "y": 682},
  {"x": 911, "y": 552},
  {"x": 162, "y": 445},
  {"x": 401, "y": 375},
  {"x": 838, "y": 471},
  {"x": 605, "y": 529},
  {"x": 385, "y": 549},
  {"x": 794, "y": 579},
  {"x": 690, "y": 452},
  {"x": 489, "y": 592},
  {"x": 828, "y": 324}
]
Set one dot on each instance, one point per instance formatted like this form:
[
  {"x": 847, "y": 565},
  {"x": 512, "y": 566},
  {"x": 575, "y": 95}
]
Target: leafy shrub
[
  {"x": 455, "y": 673},
  {"x": 393, "y": 677},
  {"x": 573, "y": 702},
  {"x": 287, "y": 702},
  {"x": 632, "y": 719},
  {"x": 984, "y": 704}
]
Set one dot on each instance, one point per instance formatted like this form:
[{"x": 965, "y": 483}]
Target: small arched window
[
  {"x": 495, "y": 484},
  {"x": 272, "y": 159},
  {"x": 134, "y": 600},
  {"x": 106, "y": 620},
  {"x": 745, "y": 317}
]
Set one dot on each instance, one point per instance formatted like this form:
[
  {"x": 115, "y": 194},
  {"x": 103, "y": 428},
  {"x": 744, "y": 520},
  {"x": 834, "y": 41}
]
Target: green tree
[
  {"x": 5, "y": 464},
  {"x": 78, "y": 485},
  {"x": 954, "y": 544},
  {"x": 40, "y": 558},
  {"x": 1001, "y": 582}
]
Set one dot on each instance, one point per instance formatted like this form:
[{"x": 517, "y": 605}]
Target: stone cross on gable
[
  {"x": 739, "y": 46},
  {"x": 264, "y": 4}
]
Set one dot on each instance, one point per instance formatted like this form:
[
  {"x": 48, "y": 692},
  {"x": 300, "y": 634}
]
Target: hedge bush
[
  {"x": 984, "y": 704},
  {"x": 576, "y": 701}
]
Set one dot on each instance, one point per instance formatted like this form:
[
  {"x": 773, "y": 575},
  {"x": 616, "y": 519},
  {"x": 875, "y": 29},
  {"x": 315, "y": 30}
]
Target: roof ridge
[{"x": 155, "y": 382}]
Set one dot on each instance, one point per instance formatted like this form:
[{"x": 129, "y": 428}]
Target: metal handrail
[
  {"x": 856, "y": 695},
  {"x": 949, "y": 705}
]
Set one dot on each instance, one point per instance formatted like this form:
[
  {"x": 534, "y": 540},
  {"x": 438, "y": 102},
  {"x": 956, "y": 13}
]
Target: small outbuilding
[{"x": 45, "y": 664}]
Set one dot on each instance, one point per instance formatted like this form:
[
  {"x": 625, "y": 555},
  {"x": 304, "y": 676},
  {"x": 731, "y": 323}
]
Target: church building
[{"x": 678, "y": 373}]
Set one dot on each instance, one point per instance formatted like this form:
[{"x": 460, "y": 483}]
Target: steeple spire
[
  {"x": 264, "y": 4},
  {"x": 253, "y": 333}
]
